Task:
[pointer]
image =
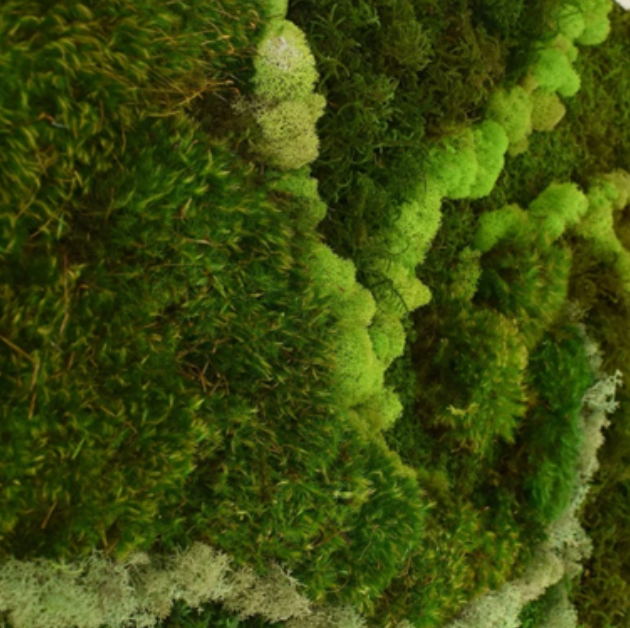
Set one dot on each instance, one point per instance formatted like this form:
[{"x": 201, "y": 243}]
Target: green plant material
[
  {"x": 275, "y": 10},
  {"x": 547, "y": 110},
  {"x": 527, "y": 285},
  {"x": 513, "y": 111},
  {"x": 559, "y": 206},
  {"x": 454, "y": 166},
  {"x": 620, "y": 179},
  {"x": 553, "y": 72},
  {"x": 567, "y": 47},
  {"x": 285, "y": 67},
  {"x": 382, "y": 410},
  {"x": 491, "y": 143},
  {"x": 390, "y": 71},
  {"x": 300, "y": 185},
  {"x": 414, "y": 229},
  {"x": 484, "y": 396},
  {"x": 388, "y": 337},
  {"x": 333, "y": 275},
  {"x": 508, "y": 223},
  {"x": 401, "y": 291},
  {"x": 570, "y": 19},
  {"x": 358, "y": 374},
  {"x": 466, "y": 275},
  {"x": 289, "y": 140},
  {"x": 597, "y": 24},
  {"x": 550, "y": 442}
]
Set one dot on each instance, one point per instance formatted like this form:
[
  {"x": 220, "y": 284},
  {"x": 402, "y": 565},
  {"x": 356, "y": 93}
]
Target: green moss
[
  {"x": 547, "y": 110},
  {"x": 553, "y": 72},
  {"x": 513, "y": 110},
  {"x": 285, "y": 67},
  {"x": 491, "y": 143},
  {"x": 289, "y": 140},
  {"x": 388, "y": 337},
  {"x": 453, "y": 166},
  {"x": 597, "y": 24}
]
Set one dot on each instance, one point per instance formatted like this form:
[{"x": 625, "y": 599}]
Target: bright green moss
[
  {"x": 559, "y": 206},
  {"x": 275, "y": 9},
  {"x": 299, "y": 184},
  {"x": 453, "y": 165},
  {"x": 553, "y": 71},
  {"x": 358, "y": 374},
  {"x": 512, "y": 110},
  {"x": 567, "y": 47},
  {"x": 413, "y": 231},
  {"x": 388, "y": 337},
  {"x": 597, "y": 24},
  {"x": 402, "y": 292},
  {"x": 570, "y": 20},
  {"x": 491, "y": 143},
  {"x": 358, "y": 306},
  {"x": 499, "y": 224},
  {"x": 332, "y": 274}
]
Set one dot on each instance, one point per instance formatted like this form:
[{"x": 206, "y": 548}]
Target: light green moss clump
[
  {"x": 491, "y": 143},
  {"x": 553, "y": 71},
  {"x": 453, "y": 165},
  {"x": 332, "y": 274},
  {"x": 621, "y": 180},
  {"x": 301, "y": 185},
  {"x": 513, "y": 111},
  {"x": 289, "y": 140},
  {"x": 499, "y": 224},
  {"x": 547, "y": 110},
  {"x": 285, "y": 66},
  {"x": 559, "y": 206},
  {"x": 403, "y": 293},
  {"x": 381, "y": 410},
  {"x": 276, "y": 9},
  {"x": 413, "y": 231},
  {"x": 358, "y": 373},
  {"x": 388, "y": 337},
  {"x": 567, "y": 47},
  {"x": 570, "y": 21},
  {"x": 597, "y": 24}
]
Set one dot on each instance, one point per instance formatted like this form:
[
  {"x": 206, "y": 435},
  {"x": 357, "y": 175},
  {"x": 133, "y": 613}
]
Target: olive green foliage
[
  {"x": 302, "y": 188},
  {"x": 547, "y": 110},
  {"x": 165, "y": 347}
]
